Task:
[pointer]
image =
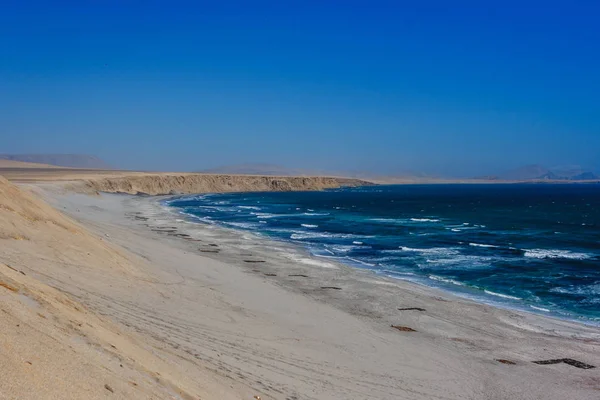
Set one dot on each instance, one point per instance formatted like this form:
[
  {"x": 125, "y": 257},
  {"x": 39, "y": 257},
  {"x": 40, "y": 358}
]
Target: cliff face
[{"x": 198, "y": 183}]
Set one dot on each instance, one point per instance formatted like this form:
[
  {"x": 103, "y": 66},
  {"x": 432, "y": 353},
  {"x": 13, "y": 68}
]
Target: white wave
[
  {"x": 265, "y": 215},
  {"x": 262, "y": 222},
  {"x": 361, "y": 262},
  {"x": 505, "y": 296},
  {"x": 203, "y": 219},
  {"x": 446, "y": 280},
  {"x": 443, "y": 251},
  {"x": 310, "y": 226},
  {"x": 244, "y": 225},
  {"x": 300, "y": 235},
  {"x": 250, "y": 208},
  {"x": 340, "y": 248},
  {"x": 313, "y": 214},
  {"x": 424, "y": 220},
  {"x": 215, "y": 208},
  {"x": 567, "y": 254},
  {"x": 592, "y": 290},
  {"x": 357, "y": 242},
  {"x": 392, "y": 272},
  {"x": 456, "y": 260},
  {"x": 483, "y": 245},
  {"x": 456, "y": 230},
  {"x": 539, "y": 308}
]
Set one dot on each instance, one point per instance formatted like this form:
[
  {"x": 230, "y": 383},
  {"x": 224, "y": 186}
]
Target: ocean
[{"x": 534, "y": 247}]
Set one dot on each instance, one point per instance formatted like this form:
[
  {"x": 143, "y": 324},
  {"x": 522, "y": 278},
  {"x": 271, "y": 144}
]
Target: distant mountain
[
  {"x": 539, "y": 172},
  {"x": 585, "y": 176},
  {"x": 533, "y": 171},
  {"x": 62, "y": 160}
]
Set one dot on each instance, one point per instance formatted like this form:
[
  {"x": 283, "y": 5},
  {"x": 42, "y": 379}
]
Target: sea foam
[{"x": 566, "y": 254}]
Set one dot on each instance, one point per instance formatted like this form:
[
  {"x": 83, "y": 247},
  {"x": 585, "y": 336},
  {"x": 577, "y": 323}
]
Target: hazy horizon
[{"x": 461, "y": 91}]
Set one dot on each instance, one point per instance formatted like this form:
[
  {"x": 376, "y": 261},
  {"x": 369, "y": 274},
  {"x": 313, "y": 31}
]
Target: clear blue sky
[{"x": 459, "y": 87}]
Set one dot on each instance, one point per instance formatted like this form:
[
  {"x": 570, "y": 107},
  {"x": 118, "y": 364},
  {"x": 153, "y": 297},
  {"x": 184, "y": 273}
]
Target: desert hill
[{"x": 59, "y": 160}]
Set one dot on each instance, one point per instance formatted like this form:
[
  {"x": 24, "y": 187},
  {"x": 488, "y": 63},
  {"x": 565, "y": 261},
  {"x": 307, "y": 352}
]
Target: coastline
[
  {"x": 450, "y": 328},
  {"x": 266, "y": 246},
  {"x": 311, "y": 251},
  {"x": 201, "y": 312}
]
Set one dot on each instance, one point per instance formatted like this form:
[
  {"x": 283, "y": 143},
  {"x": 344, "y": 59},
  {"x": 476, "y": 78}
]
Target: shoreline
[
  {"x": 490, "y": 300},
  {"x": 247, "y": 319}
]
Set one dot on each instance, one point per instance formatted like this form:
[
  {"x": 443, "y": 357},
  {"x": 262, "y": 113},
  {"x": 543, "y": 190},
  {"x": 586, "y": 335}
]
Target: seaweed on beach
[
  {"x": 569, "y": 361},
  {"x": 403, "y": 328},
  {"x": 412, "y": 309},
  {"x": 508, "y": 362}
]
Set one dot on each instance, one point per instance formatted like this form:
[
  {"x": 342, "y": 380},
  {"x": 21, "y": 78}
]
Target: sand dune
[{"x": 52, "y": 346}]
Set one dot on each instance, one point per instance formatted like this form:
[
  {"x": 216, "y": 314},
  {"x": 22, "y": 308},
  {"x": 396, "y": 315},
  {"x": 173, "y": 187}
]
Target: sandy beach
[{"x": 111, "y": 296}]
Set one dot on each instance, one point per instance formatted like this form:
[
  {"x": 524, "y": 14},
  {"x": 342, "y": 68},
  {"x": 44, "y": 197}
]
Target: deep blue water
[{"x": 534, "y": 247}]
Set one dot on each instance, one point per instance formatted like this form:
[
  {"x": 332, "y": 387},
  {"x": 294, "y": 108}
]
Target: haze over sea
[{"x": 532, "y": 247}]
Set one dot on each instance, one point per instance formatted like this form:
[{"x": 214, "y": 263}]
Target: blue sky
[{"x": 459, "y": 88}]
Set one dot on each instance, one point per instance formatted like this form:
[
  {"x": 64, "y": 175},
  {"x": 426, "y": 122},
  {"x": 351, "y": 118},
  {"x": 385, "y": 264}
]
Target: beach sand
[{"x": 109, "y": 296}]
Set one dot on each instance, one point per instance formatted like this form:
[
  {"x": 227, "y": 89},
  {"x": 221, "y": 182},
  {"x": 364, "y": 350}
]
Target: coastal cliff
[{"x": 160, "y": 184}]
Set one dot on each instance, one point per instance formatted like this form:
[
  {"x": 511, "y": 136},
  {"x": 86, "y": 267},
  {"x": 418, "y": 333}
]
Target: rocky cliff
[{"x": 161, "y": 184}]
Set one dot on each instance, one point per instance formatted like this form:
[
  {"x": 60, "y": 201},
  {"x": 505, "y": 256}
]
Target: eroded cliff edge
[{"x": 162, "y": 184}]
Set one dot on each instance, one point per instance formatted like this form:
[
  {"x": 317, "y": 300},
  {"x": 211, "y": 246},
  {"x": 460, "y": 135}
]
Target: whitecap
[
  {"x": 264, "y": 215},
  {"x": 505, "y": 296},
  {"x": 566, "y": 254},
  {"x": 446, "y": 280},
  {"x": 309, "y": 226},
  {"x": 443, "y": 251},
  {"x": 244, "y": 225},
  {"x": 424, "y": 220},
  {"x": 539, "y": 308},
  {"x": 483, "y": 245},
  {"x": 250, "y": 208}
]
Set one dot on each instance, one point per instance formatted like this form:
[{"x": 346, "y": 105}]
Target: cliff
[{"x": 161, "y": 184}]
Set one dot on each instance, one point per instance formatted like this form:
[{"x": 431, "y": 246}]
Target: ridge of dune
[{"x": 162, "y": 184}]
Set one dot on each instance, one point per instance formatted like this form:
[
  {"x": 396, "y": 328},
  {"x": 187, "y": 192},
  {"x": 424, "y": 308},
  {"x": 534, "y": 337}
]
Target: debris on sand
[
  {"x": 507, "y": 362},
  {"x": 569, "y": 361},
  {"x": 403, "y": 328}
]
